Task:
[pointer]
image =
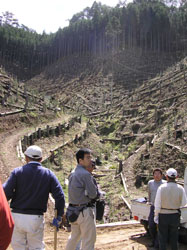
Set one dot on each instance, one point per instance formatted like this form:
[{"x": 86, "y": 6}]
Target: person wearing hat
[
  {"x": 153, "y": 186},
  {"x": 170, "y": 197},
  {"x": 28, "y": 188}
]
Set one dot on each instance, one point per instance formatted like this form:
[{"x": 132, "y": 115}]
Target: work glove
[
  {"x": 56, "y": 222},
  {"x": 156, "y": 219},
  {"x": 86, "y": 193},
  {"x": 102, "y": 195}
]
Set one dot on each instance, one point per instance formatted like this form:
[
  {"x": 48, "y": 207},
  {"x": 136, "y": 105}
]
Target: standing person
[
  {"x": 6, "y": 221},
  {"x": 28, "y": 187},
  {"x": 99, "y": 193},
  {"x": 153, "y": 185},
  {"x": 169, "y": 198},
  {"x": 81, "y": 190}
]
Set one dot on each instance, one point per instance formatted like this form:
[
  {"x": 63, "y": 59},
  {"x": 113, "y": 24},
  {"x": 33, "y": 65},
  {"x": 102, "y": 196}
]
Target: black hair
[
  {"x": 157, "y": 169},
  {"x": 34, "y": 159},
  {"x": 81, "y": 152},
  {"x": 171, "y": 178}
]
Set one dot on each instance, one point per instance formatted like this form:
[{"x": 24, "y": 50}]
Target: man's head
[
  {"x": 171, "y": 174},
  {"x": 33, "y": 153},
  {"x": 157, "y": 174},
  {"x": 84, "y": 157}
]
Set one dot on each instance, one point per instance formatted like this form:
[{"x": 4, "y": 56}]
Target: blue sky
[{"x": 47, "y": 15}]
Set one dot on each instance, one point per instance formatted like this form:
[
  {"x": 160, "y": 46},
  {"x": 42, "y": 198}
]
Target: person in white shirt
[{"x": 170, "y": 197}]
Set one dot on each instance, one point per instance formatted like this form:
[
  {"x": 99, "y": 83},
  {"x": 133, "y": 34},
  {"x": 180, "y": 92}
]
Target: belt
[
  {"x": 81, "y": 205},
  {"x": 78, "y": 205},
  {"x": 170, "y": 208}
]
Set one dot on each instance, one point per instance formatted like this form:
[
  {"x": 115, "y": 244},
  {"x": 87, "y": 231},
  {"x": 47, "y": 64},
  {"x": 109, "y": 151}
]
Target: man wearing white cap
[
  {"x": 28, "y": 187},
  {"x": 169, "y": 198}
]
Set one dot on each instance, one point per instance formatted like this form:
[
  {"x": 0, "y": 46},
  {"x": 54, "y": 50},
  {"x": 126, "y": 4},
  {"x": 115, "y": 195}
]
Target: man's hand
[
  {"x": 56, "y": 222},
  {"x": 156, "y": 219}
]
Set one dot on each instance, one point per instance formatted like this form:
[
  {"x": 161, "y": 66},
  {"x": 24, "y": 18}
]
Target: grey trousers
[
  {"x": 153, "y": 227},
  {"x": 168, "y": 230},
  {"x": 84, "y": 228}
]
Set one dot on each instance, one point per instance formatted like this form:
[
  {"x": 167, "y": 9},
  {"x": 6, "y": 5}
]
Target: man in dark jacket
[{"x": 28, "y": 187}]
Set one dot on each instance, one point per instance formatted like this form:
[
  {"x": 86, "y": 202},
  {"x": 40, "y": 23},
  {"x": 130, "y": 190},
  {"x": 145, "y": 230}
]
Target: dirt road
[
  {"x": 118, "y": 238},
  {"x": 107, "y": 238},
  {"x": 115, "y": 238}
]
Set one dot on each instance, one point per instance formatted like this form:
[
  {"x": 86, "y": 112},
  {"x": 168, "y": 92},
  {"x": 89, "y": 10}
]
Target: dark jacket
[{"x": 29, "y": 186}]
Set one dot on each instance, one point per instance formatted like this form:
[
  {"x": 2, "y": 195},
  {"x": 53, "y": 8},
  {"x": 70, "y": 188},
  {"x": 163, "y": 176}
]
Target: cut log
[
  {"x": 124, "y": 184},
  {"x": 99, "y": 175},
  {"x": 169, "y": 145},
  {"x": 127, "y": 204},
  {"x": 173, "y": 97},
  {"x": 110, "y": 140},
  {"x": 12, "y": 112},
  {"x": 120, "y": 224},
  {"x": 153, "y": 140},
  {"x": 117, "y": 176}
]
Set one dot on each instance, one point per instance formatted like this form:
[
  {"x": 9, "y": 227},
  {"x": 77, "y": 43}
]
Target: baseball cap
[
  {"x": 171, "y": 172},
  {"x": 34, "y": 152}
]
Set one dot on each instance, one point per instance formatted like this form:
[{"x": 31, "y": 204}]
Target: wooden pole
[
  {"x": 55, "y": 233},
  {"x": 127, "y": 204},
  {"x": 124, "y": 184}
]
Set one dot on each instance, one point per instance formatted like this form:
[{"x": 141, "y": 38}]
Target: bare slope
[
  {"x": 142, "y": 129},
  {"x": 136, "y": 127}
]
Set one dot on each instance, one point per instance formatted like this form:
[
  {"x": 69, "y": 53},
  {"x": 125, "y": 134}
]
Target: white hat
[
  {"x": 171, "y": 172},
  {"x": 33, "y": 152}
]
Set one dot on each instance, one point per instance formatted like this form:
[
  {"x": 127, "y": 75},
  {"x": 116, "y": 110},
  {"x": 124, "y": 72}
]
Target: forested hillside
[
  {"x": 115, "y": 81},
  {"x": 95, "y": 32}
]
